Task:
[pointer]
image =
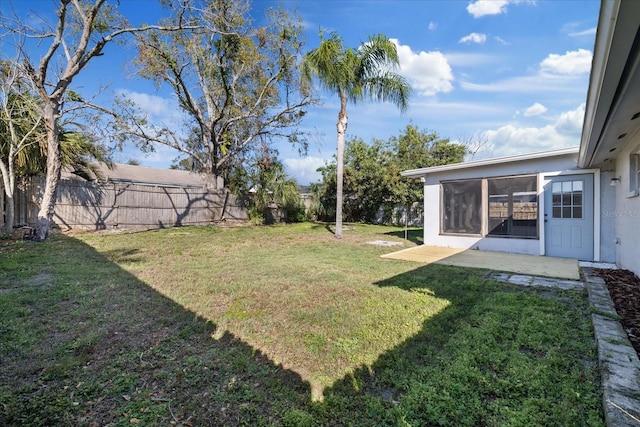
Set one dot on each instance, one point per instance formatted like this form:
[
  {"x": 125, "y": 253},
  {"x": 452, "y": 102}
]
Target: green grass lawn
[{"x": 281, "y": 325}]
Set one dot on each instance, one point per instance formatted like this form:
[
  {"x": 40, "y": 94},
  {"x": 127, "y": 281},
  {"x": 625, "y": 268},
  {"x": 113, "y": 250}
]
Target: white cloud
[
  {"x": 432, "y": 26},
  {"x": 512, "y": 140},
  {"x": 557, "y": 73},
  {"x": 151, "y": 104},
  {"x": 162, "y": 111},
  {"x": 481, "y": 8},
  {"x": 531, "y": 84},
  {"x": 304, "y": 169},
  {"x": 469, "y": 59},
  {"x": 162, "y": 156},
  {"x": 429, "y": 72},
  {"x": 573, "y": 62},
  {"x": 570, "y": 122},
  {"x": 587, "y": 32},
  {"x": 535, "y": 110},
  {"x": 474, "y": 38},
  {"x": 501, "y": 40}
]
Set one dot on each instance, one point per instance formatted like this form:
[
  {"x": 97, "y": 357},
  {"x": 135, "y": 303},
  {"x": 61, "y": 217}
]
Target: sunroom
[{"x": 536, "y": 204}]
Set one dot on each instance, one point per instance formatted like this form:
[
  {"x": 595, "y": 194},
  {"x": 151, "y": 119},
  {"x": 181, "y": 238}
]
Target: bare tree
[
  {"x": 80, "y": 34},
  {"x": 237, "y": 83},
  {"x": 477, "y": 144}
]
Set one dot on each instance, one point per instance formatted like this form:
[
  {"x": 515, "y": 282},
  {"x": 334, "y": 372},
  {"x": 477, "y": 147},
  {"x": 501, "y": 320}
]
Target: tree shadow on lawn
[
  {"x": 483, "y": 360},
  {"x": 414, "y": 235},
  {"x": 100, "y": 347}
]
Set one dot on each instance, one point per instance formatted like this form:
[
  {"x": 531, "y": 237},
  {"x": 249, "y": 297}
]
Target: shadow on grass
[
  {"x": 414, "y": 235},
  {"x": 97, "y": 346},
  {"x": 496, "y": 355},
  {"x": 329, "y": 226},
  {"x": 123, "y": 255}
]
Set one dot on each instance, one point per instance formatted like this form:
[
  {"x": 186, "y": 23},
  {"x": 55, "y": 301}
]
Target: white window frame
[
  {"x": 484, "y": 209},
  {"x": 444, "y": 229},
  {"x": 511, "y": 205},
  {"x": 634, "y": 174}
]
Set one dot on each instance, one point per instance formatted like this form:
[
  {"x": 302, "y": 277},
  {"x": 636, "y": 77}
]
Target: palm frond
[
  {"x": 358, "y": 73},
  {"x": 388, "y": 87},
  {"x": 378, "y": 52}
]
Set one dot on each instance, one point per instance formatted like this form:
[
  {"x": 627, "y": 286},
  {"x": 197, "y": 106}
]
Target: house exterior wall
[
  {"x": 627, "y": 211},
  {"x": 607, "y": 220},
  {"x": 432, "y": 204}
]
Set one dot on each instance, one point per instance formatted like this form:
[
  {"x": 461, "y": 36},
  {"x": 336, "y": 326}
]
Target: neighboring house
[
  {"x": 581, "y": 202},
  {"x": 142, "y": 175},
  {"x": 305, "y": 196}
]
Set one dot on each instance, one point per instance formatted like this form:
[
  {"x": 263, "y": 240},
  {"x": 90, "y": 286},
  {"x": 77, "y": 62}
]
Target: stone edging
[{"x": 618, "y": 360}]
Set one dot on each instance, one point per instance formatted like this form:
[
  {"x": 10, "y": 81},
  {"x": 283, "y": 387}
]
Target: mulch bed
[{"x": 624, "y": 287}]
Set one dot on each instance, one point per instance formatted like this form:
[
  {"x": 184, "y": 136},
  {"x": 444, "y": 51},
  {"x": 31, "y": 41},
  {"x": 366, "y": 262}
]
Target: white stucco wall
[
  {"x": 607, "y": 221},
  {"x": 432, "y": 236},
  {"x": 627, "y": 211}
]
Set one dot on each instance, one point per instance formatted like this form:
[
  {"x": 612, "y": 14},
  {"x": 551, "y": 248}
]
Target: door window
[{"x": 567, "y": 199}]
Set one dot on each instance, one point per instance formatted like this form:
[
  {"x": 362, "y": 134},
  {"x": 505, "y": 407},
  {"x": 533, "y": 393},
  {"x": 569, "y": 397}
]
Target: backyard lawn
[{"x": 281, "y": 326}]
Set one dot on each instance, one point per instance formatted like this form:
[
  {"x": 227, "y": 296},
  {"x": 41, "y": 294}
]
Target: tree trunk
[
  {"x": 8, "y": 179},
  {"x": 54, "y": 169},
  {"x": 342, "y": 130},
  {"x": 9, "y": 212}
]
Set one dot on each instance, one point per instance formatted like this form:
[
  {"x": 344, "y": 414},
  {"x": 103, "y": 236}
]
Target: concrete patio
[{"x": 534, "y": 265}]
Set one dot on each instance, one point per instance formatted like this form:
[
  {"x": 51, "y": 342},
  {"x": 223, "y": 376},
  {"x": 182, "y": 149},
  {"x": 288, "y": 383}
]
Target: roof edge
[
  {"x": 609, "y": 11},
  {"x": 419, "y": 173}
]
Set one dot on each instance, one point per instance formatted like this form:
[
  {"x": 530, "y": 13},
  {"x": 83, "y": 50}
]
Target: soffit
[{"x": 612, "y": 113}]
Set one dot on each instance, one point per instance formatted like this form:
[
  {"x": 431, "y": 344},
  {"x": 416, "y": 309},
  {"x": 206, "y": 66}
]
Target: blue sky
[{"x": 512, "y": 74}]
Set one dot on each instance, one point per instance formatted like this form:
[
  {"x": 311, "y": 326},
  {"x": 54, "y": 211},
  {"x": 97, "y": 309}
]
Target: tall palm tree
[{"x": 354, "y": 74}]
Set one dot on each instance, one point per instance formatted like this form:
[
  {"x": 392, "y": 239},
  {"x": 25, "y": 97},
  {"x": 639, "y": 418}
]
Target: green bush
[
  {"x": 296, "y": 213},
  {"x": 297, "y": 418}
]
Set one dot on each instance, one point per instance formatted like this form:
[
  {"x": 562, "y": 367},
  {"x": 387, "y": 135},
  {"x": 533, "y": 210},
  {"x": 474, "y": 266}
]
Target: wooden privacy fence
[
  {"x": 124, "y": 205},
  {"x": 400, "y": 215}
]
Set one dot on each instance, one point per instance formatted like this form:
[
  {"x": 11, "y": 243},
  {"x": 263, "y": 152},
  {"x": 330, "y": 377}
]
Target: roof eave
[
  {"x": 604, "y": 36},
  {"x": 422, "y": 172},
  {"x": 613, "y": 99}
]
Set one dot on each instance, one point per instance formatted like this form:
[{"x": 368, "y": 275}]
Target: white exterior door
[{"x": 568, "y": 217}]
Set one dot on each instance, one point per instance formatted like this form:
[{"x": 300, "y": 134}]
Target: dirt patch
[{"x": 624, "y": 287}]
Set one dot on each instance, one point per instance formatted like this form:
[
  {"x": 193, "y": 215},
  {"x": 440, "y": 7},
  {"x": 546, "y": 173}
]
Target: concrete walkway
[
  {"x": 533, "y": 265},
  {"x": 618, "y": 360}
]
